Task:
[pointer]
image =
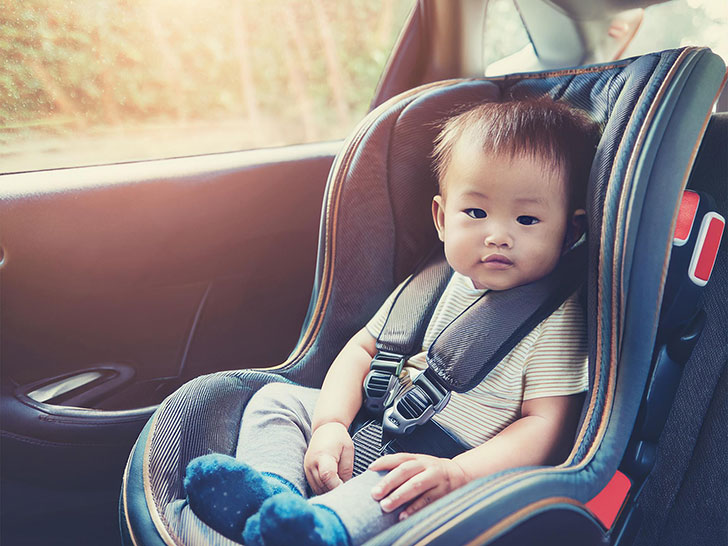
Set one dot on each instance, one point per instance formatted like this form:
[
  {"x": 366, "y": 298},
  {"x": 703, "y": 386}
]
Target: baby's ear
[
  {"x": 438, "y": 215},
  {"x": 575, "y": 229}
]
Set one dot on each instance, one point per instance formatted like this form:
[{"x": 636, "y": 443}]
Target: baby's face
[{"x": 503, "y": 220}]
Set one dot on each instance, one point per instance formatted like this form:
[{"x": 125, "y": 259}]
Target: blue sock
[
  {"x": 286, "y": 519},
  {"x": 225, "y": 492}
]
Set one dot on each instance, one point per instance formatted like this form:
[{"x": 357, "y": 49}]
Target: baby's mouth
[{"x": 497, "y": 261}]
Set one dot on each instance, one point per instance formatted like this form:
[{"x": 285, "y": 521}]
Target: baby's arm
[
  {"x": 329, "y": 459},
  {"x": 542, "y": 435}
]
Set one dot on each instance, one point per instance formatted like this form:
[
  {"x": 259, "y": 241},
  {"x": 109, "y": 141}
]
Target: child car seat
[{"x": 376, "y": 226}]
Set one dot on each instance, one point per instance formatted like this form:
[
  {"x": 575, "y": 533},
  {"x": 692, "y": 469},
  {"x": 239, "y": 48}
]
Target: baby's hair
[{"x": 560, "y": 136}]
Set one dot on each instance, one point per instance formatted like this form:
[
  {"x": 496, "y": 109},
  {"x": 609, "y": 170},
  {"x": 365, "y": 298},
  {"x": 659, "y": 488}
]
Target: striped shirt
[{"x": 550, "y": 361}]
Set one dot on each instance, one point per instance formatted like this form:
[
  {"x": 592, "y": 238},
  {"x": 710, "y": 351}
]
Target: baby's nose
[{"x": 498, "y": 238}]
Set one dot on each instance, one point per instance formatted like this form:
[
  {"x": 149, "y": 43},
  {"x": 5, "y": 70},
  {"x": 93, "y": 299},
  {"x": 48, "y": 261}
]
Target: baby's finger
[
  {"x": 422, "y": 484},
  {"x": 395, "y": 478},
  {"x": 327, "y": 473},
  {"x": 346, "y": 463},
  {"x": 420, "y": 502},
  {"x": 388, "y": 462},
  {"x": 312, "y": 478}
]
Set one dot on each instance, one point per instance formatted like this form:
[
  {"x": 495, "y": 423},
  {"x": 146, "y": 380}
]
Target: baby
[{"x": 512, "y": 179}]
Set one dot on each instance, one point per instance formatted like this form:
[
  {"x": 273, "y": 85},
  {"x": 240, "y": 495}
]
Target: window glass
[
  {"x": 505, "y": 37},
  {"x": 665, "y": 25},
  {"x": 100, "y": 81},
  {"x": 680, "y": 23}
]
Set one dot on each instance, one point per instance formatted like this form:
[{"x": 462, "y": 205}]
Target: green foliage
[
  {"x": 133, "y": 76},
  {"x": 80, "y": 64}
]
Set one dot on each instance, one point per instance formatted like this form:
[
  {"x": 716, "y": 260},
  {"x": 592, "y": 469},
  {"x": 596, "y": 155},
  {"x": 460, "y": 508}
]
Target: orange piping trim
[
  {"x": 508, "y": 522},
  {"x": 614, "y": 327},
  {"x": 617, "y": 318},
  {"x": 555, "y": 73},
  {"x": 499, "y": 527}
]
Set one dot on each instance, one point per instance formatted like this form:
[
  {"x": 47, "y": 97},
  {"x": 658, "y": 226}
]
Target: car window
[
  {"x": 504, "y": 37},
  {"x": 666, "y": 25},
  {"x": 680, "y": 23},
  {"x": 117, "y": 80}
]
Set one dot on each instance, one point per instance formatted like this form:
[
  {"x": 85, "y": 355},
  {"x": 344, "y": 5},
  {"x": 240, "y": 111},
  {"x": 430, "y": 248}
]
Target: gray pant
[{"x": 274, "y": 436}]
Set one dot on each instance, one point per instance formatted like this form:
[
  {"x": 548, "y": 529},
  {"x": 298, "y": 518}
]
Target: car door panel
[
  {"x": 137, "y": 266},
  {"x": 138, "y": 276}
]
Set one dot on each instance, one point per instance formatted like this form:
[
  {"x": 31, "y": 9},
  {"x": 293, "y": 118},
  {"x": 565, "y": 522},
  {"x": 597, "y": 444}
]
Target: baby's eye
[
  {"x": 527, "y": 220},
  {"x": 475, "y": 213}
]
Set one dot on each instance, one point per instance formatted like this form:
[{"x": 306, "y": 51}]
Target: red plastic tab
[
  {"x": 706, "y": 248},
  {"x": 686, "y": 217},
  {"x": 607, "y": 504}
]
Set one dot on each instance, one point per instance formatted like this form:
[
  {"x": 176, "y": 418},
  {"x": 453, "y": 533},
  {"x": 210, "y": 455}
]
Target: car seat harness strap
[
  {"x": 381, "y": 384},
  {"x": 467, "y": 349}
]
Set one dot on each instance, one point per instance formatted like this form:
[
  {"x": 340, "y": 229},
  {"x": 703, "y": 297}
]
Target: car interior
[{"x": 143, "y": 303}]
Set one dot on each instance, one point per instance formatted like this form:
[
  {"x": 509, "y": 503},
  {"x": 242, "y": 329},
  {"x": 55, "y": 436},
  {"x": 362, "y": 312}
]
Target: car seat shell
[{"x": 654, "y": 110}]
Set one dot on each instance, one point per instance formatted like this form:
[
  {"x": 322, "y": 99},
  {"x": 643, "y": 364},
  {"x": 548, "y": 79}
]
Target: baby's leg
[
  {"x": 224, "y": 491},
  {"x": 345, "y": 515},
  {"x": 276, "y": 429}
]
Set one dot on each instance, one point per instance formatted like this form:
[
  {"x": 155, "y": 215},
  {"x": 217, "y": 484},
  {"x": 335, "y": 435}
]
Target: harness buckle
[
  {"x": 416, "y": 406},
  {"x": 382, "y": 382}
]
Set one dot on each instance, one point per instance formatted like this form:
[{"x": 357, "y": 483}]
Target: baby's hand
[
  {"x": 420, "y": 477},
  {"x": 329, "y": 460}
]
